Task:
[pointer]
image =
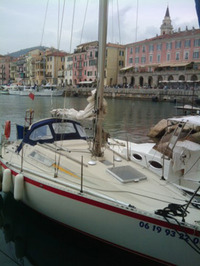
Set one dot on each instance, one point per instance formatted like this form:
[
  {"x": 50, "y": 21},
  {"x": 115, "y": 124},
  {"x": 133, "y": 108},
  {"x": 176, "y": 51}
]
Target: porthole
[
  {"x": 155, "y": 164},
  {"x": 137, "y": 156}
]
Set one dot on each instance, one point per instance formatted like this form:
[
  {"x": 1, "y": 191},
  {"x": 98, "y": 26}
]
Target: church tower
[{"x": 166, "y": 27}]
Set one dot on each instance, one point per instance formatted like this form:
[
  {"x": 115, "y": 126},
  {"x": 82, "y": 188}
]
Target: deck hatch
[
  {"x": 126, "y": 174},
  {"x": 41, "y": 158}
]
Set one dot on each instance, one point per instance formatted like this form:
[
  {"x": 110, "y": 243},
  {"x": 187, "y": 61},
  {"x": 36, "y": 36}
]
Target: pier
[{"x": 174, "y": 95}]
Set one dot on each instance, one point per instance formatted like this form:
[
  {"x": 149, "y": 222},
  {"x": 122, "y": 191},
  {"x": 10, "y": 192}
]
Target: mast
[{"x": 102, "y": 35}]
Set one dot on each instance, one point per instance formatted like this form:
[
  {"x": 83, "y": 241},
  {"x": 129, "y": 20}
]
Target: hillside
[{"x": 25, "y": 51}]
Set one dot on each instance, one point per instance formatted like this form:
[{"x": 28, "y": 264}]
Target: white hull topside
[
  {"x": 108, "y": 215},
  {"x": 37, "y": 93}
]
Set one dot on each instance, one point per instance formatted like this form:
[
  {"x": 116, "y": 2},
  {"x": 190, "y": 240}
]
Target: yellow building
[
  {"x": 115, "y": 60},
  {"x": 55, "y": 64}
]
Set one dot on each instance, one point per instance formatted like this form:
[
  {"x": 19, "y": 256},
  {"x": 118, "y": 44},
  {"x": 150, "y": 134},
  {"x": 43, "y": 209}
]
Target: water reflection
[
  {"x": 126, "y": 118},
  {"x": 32, "y": 239}
]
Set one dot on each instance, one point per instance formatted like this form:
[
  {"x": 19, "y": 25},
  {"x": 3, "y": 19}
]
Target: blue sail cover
[
  {"x": 198, "y": 10},
  {"x": 52, "y": 129}
]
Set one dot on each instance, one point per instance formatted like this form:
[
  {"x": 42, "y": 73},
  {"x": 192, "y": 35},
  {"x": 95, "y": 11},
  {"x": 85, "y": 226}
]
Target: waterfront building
[
  {"x": 85, "y": 64},
  {"x": 31, "y": 69},
  {"x": 4, "y": 69},
  {"x": 68, "y": 70},
  {"x": 170, "y": 57},
  {"x": 20, "y": 71},
  {"x": 40, "y": 69},
  {"x": 55, "y": 63},
  {"x": 115, "y": 60}
]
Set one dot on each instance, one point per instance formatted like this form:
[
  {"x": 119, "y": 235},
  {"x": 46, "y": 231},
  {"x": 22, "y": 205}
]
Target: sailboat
[
  {"x": 59, "y": 172},
  {"x": 175, "y": 157}
]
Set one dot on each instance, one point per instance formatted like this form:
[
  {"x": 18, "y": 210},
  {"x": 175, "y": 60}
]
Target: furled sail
[{"x": 87, "y": 113}]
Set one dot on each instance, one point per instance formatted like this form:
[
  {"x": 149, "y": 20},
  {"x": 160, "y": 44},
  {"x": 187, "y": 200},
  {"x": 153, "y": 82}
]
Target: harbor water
[{"x": 28, "y": 238}]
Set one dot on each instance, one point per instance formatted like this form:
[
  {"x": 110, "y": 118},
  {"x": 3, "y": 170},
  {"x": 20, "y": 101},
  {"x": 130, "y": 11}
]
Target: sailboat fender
[
  {"x": 7, "y": 180},
  {"x": 7, "y": 129},
  {"x": 19, "y": 187}
]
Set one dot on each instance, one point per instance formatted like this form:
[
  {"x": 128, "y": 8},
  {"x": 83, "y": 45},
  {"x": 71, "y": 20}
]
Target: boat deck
[{"x": 110, "y": 178}]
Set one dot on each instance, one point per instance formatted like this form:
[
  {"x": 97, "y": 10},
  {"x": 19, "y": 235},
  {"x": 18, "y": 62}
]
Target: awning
[
  {"x": 126, "y": 68},
  {"x": 174, "y": 64},
  {"x": 193, "y": 120},
  {"x": 86, "y": 82}
]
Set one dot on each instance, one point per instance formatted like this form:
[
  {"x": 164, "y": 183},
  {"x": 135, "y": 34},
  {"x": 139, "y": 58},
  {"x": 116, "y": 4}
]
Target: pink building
[
  {"x": 169, "y": 56},
  {"x": 85, "y": 64},
  {"x": 4, "y": 70}
]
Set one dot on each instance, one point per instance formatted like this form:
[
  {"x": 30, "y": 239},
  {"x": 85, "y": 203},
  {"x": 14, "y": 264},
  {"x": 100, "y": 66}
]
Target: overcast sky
[{"x": 21, "y": 21}]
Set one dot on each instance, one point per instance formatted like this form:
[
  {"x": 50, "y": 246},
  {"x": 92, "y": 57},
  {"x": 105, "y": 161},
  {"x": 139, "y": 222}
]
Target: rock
[
  {"x": 158, "y": 130},
  {"x": 194, "y": 137}
]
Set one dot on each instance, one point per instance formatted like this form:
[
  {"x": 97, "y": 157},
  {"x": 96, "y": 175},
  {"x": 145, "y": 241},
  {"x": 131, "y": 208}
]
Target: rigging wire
[
  {"x": 112, "y": 24},
  {"x": 61, "y": 25},
  {"x": 118, "y": 22},
  {"x": 70, "y": 49},
  {"x": 136, "y": 26},
  {"x": 44, "y": 22},
  {"x": 84, "y": 21},
  {"x": 58, "y": 29}
]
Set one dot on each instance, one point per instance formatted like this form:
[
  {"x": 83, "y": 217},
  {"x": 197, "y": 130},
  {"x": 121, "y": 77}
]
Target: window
[
  {"x": 158, "y": 58},
  {"x": 137, "y": 49},
  {"x": 168, "y": 57},
  {"x": 177, "y": 56},
  {"x": 196, "y": 54},
  {"x": 89, "y": 73},
  {"x": 197, "y": 43},
  {"x": 143, "y": 49},
  {"x": 137, "y": 60},
  {"x": 150, "y": 58},
  {"x": 187, "y": 43},
  {"x": 143, "y": 59},
  {"x": 168, "y": 45},
  {"x": 121, "y": 63},
  {"x": 178, "y": 44},
  {"x": 121, "y": 53},
  {"x": 186, "y": 55},
  {"x": 70, "y": 58},
  {"x": 81, "y": 130},
  {"x": 159, "y": 46},
  {"x": 151, "y": 48},
  {"x": 131, "y": 50},
  {"x": 41, "y": 133},
  {"x": 61, "y": 128},
  {"x": 130, "y": 60},
  {"x": 92, "y": 62}
]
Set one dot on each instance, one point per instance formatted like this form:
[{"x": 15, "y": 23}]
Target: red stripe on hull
[{"x": 108, "y": 207}]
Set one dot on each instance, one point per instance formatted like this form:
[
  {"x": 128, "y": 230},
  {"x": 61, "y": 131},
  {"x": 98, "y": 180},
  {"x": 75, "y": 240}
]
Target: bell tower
[{"x": 166, "y": 27}]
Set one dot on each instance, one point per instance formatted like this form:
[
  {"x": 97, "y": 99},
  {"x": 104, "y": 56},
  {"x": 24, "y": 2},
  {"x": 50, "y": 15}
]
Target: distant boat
[
  {"x": 47, "y": 90},
  {"x": 3, "y": 90}
]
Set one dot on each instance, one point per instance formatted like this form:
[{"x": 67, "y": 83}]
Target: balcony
[{"x": 61, "y": 73}]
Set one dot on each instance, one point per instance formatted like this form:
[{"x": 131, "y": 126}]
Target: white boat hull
[
  {"x": 124, "y": 227},
  {"x": 44, "y": 92}
]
